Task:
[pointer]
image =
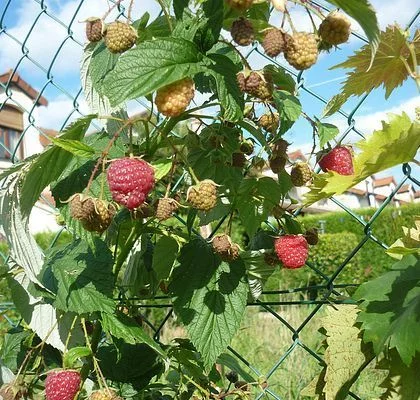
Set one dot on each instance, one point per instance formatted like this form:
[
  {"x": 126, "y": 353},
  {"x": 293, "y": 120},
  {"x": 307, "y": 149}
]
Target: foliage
[{"x": 82, "y": 300}]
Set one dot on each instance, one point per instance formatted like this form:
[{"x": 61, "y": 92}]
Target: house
[{"x": 20, "y": 138}]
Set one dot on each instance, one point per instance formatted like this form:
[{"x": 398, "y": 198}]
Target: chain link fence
[{"x": 274, "y": 303}]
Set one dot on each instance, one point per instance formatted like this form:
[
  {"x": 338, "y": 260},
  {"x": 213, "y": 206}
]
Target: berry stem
[
  {"x": 92, "y": 345},
  {"x": 244, "y": 60},
  {"x": 130, "y": 9},
  {"x": 116, "y": 4},
  {"x": 66, "y": 345},
  {"x": 289, "y": 18},
  {"x": 315, "y": 10},
  {"x": 167, "y": 15}
]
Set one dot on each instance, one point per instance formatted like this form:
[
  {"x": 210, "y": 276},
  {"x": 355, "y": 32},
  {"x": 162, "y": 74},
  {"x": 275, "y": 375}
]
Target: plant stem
[
  {"x": 93, "y": 346},
  {"x": 165, "y": 11},
  {"x": 244, "y": 60}
]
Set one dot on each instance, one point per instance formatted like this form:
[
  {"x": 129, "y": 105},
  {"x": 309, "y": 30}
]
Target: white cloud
[{"x": 47, "y": 35}]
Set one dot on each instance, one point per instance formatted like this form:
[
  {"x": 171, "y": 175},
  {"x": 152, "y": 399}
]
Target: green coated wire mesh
[{"x": 271, "y": 301}]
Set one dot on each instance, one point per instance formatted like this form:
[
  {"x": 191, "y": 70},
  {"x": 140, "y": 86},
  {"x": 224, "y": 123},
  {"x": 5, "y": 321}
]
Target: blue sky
[{"x": 47, "y": 35}]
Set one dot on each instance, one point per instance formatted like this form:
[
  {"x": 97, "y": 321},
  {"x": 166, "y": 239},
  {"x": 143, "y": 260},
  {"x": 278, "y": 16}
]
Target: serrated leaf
[
  {"x": 345, "y": 356},
  {"x": 75, "y": 147},
  {"x": 391, "y": 307},
  {"x": 123, "y": 327},
  {"x": 84, "y": 279},
  {"x": 209, "y": 35},
  {"x": 281, "y": 79},
  {"x": 164, "y": 255},
  {"x": 326, "y": 132},
  {"x": 210, "y": 298},
  {"x": 363, "y": 12},
  {"x": 289, "y": 109},
  {"x": 388, "y": 68},
  {"x": 74, "y": 354},
  {"x": 224, "y": 71},
  {"x": 377, "y": 154},
  {"x": 13, "y": 348},
  {"x": 49, "y": 165},
  {"x": 151, "y": 65}
]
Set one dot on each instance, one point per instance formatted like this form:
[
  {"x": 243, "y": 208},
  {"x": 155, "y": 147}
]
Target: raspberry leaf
[
  {"x": 210, "y": 298},
  {"x": 390, "y": 307},
  {"x": 150, "y": 66},
  {"x": 289, "y": 108},
  {"x": 50, "y": 165},
  {"x": 164, "y": 255},
  {"x": 326, "y": 132}
]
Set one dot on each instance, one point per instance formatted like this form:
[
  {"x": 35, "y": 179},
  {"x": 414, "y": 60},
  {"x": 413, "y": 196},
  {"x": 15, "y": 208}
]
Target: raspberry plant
[{"x": 138, "y": 194}]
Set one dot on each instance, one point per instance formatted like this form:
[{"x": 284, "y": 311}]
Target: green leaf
[
  {"x": 224, "y": 71},
  {"x": 179, "y": 7},
  {"x": 377, "y": 154},
  {"x": 210, "y": 298},
  {"x": 345, "y": 356},
  {"x": 158, "y": 28},
  {"x": 387, "y": 69},
  {"x": 164, "y": 256},
  {"x": 83, "y": 277},
  {"x": 281, "y": 79},
  {"x": 123, "y": 327},
  {"x": 13, "y": 349},
  {"x": 162, "y": 168},
  {"x": 289, "y": 109},
  {"x": 390, "y": 310},
  {"x": 256, "y": 198},
  {"x": 334, "y": 104},
  {"x": 326, "y": 132},
  {"x": 75, "y": 147},
  {"x": 232, "y": 363},
  {"x": 74, "y": 354},
  {"x": 151, "y": 65},
  {"x": 49, "y": 165},
  {"x": 363, "y": 12},
  {"x": 209, "y": 35}
]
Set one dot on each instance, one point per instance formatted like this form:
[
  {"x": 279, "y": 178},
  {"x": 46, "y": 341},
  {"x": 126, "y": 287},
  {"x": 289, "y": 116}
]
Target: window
[{"x": 9, "y": 139}]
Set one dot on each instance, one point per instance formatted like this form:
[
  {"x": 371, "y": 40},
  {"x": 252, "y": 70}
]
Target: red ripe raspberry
[
  {"x": 130, "y": 181},
  {"x": 339, "y": 159},
  {"x": 62, "y": 385},
  {"x": 292, "y": 250}
]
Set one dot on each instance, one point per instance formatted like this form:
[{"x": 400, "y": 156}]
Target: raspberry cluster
[
  {"x": 223, "y": 246},
  {"x": 242, "y": 32},
  {"x": 274, "y": 42},
  {"x": 95, "y": 215},
  {"x": 335, "y": 29},
  {"x": 172, "y": 100},
  {"x": 203, "y": 196},
  {"x": 270, "y": 122},
  {"x": 240, "y": 5},
  {"x": 62, "y": 385},
  {"x": 130, "y": 181},
  {"x": 301, "y": 50},
  {"x": 256, "y": 83},
  {"x": 94, "y": 29},
  {"x": 105, "y": 394},
  {"x": 292, "y": 250},
  {"x": 300, "y": 174},
  {"x": 165, "y": 207},
  {"x": 120, "y": 37},
  {"x": 278, "y": 157}
]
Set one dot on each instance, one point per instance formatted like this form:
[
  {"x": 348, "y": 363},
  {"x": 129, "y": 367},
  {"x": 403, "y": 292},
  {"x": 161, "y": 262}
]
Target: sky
[{"x": 35, "y": 34}]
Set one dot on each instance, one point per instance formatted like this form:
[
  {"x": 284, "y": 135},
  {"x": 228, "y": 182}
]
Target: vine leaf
[
  {"x": 151, "y": 65},
  {"x": 391, "y": 309},
  {"x": 49, "y": 165},
  {"x": 363, "y": 12},
  {"x": 210, "y": 298},
  {"x": 377, "y": 154},
  {"x": 345, "y": 355},
  {"x": 387, "y": 69}
]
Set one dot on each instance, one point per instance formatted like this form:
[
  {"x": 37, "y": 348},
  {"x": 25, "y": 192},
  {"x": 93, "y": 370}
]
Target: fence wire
[{"x": 271, "y": 301}]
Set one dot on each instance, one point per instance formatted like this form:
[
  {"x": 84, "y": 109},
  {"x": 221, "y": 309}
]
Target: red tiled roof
[
  {"x": 357, "y": 191},
  {"x": 404, "y": 188},
  {"x": 43, "y": 138},
  {"x": 296, "y": 155},
  {"x": 384, "y": 181},
  {"x": 417, "y": 194},
  {"x": 380, "y": 197},
  {"x": 24, "y": 86}
]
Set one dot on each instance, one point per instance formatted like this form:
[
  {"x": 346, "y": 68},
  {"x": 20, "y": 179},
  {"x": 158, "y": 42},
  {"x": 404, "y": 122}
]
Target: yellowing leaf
[
  {"x": 345, "y": 355},
  {"x": 378, "y": 152},
  {"x": 409, "y": 244}
]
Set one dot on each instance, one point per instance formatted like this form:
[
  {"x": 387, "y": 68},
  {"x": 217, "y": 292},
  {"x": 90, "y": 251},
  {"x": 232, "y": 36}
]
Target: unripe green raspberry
[
  {"x": 165, "y": 207},
  {"x": 172, "y": 100},
  {"x": 301, "y": 50},
  {"x": 240, "y": 5},
  {"x": 300, "y": 174},
  {"x": 335, "y": 29},
  {"x": 270, "y": 122},
  {"x": 120, "y": 37},
  {"x": 203, "y": 196}
]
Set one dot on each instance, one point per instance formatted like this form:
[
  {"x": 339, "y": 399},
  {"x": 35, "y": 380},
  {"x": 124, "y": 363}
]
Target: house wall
[{"x": 42, "y": 217}]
